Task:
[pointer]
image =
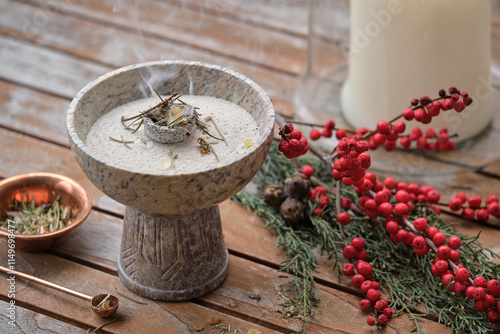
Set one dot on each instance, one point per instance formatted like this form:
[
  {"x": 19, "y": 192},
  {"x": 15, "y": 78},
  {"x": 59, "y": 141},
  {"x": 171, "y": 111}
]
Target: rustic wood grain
[
  {"x": 289, "y": 16},
  {"x": 114, "y": 48},
  {"x": 132, "y": 317},
  {"x": 28, "y": 321},
  {"x": 216, "y": 34}
]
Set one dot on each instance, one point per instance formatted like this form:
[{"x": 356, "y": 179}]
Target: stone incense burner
[{"x": 172, "y": 245}]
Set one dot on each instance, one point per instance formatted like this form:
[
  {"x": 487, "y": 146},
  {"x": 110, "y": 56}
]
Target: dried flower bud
[
  {"x": 298, "y": 186},
  {"x": 292, "y": 211},
  {"x": 274, "y": 195}
]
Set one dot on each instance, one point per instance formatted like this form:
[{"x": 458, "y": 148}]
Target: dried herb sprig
[{"x": 30, "y": 218}]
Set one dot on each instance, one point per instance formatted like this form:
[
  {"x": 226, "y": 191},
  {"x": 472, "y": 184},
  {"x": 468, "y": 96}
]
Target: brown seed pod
[
  {"x": 292, "y": 211},
  {"x": 274, "y": 195},
  {"x": 298, "y": 186}
]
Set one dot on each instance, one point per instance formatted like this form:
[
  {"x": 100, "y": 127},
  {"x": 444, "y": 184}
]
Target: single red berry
[
  {"x": 468, "y": 213},
  {"x": 433, "y": 196},
  {"x": 422, "y": 251},
  {"x": 381, "y": 197},
  {"x": 462, "y": 274},
  {"x": 370, "y": 321},
  {"x": 454, "y": 242},
  {"x": 373, "y": 295},
  {"x": 365, "y": 286},
  {"x": 364, "y": 268},
  {"x": 382, "y": 319},
  {"x": 420, "y": 224},
  {"x": 362, "y": 254},
  {"x": 324, "y": 201},
  {"x": 388, "y": 312},
  {"x": 493, "y": 315},
  {"x": 386, "y": 209},
  {"x": 400, "y": 209},
  {"x": 482, "y": 215},
  {"x": 489, "y": 300},
  {"x": 474, "y": 201},
  {"x": 461, "y": 196},
  {"x": 454, "y": 256},
  {"x": 348, "y": 269},
  {"x": 346, "y": 203},
  {"x": 383, "y": 127},
  {"x": 343, "y": 218},
  {"x": 480, "y": 281},
  {"x": 315, "y": 134},
  {"x": 358, "y": 243},
  {"x": 469, "y": 292},
  {"x": 479, "y": 293},
  {"x": 419, "y": 242},
  {"x": 381, "y": 304},
  {"x": 400, "y": 127},
  {"x": 455, "y": 204},
  {"x": 447, "y": 279},
  {"x": 460, "y": 287},
  {"x": 307, "y": 170},
  {"x": 330, "y": 124},
  {"x": 341, "y": 133},
  {"x": 392, "y": 227},
  {"x": 402, "y": 196},
  {"x": 480, "y": 305},
  {"x": 431, "y": 231},
  {"x": 494, "y": 287},
  {"x": 439, "y": 238},
  {"x": 357, "y": 280},
  {"x": 492, "y": 199},
  {"x": 402, "y": 234},
  {"x": 441, "y": 266},
  {"x": 443, "y": 252},
  {"x": 408, "y": 114},
  {"x": 349, "y": 252},
  {"x": 365, "y": 304},
  {"x": 494, "y": 209}
]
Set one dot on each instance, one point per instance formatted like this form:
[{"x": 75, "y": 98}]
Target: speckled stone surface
[
  {"x": 182, "y": 268},
  {"x": 167, "y": 134},
  {"x": 167, "y": 196}
]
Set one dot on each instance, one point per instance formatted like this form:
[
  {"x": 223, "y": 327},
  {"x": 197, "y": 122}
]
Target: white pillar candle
[{"x": 402, "y": 49}]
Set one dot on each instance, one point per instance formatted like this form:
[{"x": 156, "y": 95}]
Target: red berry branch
[{"x": 392, "y": 201}]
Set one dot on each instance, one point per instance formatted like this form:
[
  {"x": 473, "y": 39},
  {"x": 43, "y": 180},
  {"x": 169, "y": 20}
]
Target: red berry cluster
[
  {"x": 327, "y": 131},
  {"x": 375, "y": 196},
  {"x": 318, "y": 194},
  {"x": 424, "y": 109},
  {"x": 387, "y": 135},
  {"x": 353, "y": 160},
  {"x": 485, "y": 294},
  {"x": 430, "y": 142},
  {"x": 360, "y": 278},
  {"x": 293, "y": 144},
  {"x": 474, "y": 210}
]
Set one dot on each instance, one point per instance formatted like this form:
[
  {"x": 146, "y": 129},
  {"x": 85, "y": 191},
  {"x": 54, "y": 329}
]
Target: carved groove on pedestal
[{"x": 174, "y": 257}]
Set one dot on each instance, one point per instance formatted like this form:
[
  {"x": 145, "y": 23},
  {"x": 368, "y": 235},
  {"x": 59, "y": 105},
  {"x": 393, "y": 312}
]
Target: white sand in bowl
[{"x": 147, "y": 156}]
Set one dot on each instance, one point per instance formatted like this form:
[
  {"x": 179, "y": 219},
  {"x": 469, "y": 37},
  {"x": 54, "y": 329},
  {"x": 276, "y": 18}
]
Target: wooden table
[{"x": 50, "y": 50}]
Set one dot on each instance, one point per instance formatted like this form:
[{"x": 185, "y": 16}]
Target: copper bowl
[{"x": 42, "y": 187}]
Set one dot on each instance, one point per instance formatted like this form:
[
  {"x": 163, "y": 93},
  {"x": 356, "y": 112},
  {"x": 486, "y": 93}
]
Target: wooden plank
[
  {"x": 27, "y": 321},
  {"x": 216, "y": 34},
  {"x": 34, "y": 113},
  {"x": 233, "y": 296},
  {"x": 116, "y": 48},
  {"x": 290, "y": 16},
  {"x": 151, "y": 317},
  {"x": 48, "y": 70}
]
